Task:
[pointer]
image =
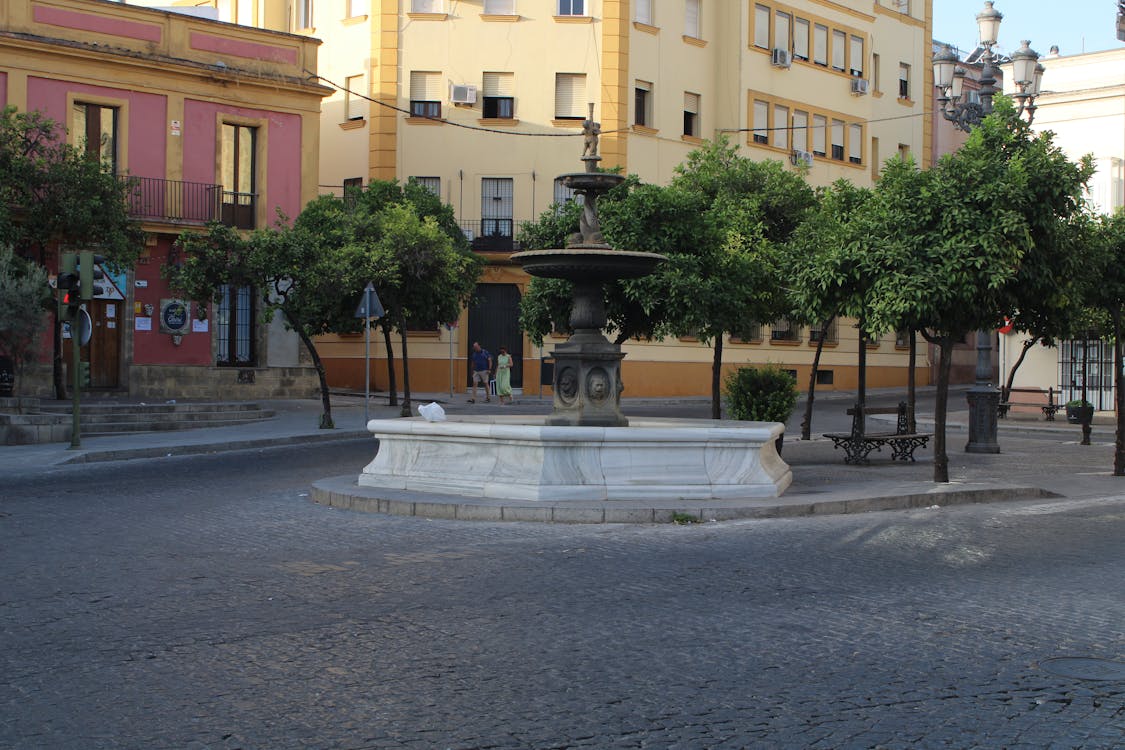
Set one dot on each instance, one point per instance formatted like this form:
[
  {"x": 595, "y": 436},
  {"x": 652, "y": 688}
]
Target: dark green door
[{"x": 494, "y": 322}]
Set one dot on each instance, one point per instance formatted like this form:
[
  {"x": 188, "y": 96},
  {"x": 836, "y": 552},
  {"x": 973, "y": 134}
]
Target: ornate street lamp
[{"x": 1027, "y": 75}]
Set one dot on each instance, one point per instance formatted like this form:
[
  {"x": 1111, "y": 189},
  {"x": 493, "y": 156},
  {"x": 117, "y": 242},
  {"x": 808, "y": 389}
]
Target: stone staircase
[{"x": 101, "y": 418}]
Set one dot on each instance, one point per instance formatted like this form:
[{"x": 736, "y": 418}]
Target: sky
[{"x": 1076, "y": 26}]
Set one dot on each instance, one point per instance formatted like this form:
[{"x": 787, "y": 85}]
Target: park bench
[
  {"x": 1035, "y": 399},
  {"x": 858, "y": 443}
]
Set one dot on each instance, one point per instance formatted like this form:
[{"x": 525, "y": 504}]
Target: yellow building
[{"x": 483, "y": 101}]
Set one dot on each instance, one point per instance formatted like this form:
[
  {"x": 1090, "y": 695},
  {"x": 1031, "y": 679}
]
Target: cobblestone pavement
[{"x": 204, "y": 602}]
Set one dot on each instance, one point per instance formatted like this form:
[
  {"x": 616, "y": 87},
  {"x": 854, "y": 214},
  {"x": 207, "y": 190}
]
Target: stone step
[
  {"x": 131, "y": 428},
  {"x": 191, "y": 419},
  {"x": 141, "y": 408}
]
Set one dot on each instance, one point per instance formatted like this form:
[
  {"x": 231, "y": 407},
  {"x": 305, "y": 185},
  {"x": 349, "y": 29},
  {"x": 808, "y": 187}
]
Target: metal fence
[{"x": 174, "y": 200}]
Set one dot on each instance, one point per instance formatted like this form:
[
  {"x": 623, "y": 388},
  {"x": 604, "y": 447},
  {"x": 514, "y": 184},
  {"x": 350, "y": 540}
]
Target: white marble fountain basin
[{"x": 521, "y": 458}]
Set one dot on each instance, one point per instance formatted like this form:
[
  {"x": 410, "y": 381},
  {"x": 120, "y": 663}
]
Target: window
[
  {"x": 234, "y": 326},
  {"x": 238, "y": 158},
  {"x": 433, "y": 184},
  {"x": 563, "y": 194},
  {"x": 874, "y": 158},
  {"x": 855, "y": 56},
  {"x": 751, "y": 334},
  {"x": 496, "y": 207},
  {"x": 781, "y": 30},
  {"x": 643, "y": 13},
  {"x": 855, "y": 144},
  {"x": 572, "y": 7},
  {"x": 642, "y": 103},
  {"x": 830, "y": 334},
  {"x": 839, "y": 49},
  {"x": 781, "y": 126},
  {"x": 570, "y": 96},
  {"x": 801, "y": 39},
  {"x": 823, "y": 377},
  {"x": 761, "y": 121},
  {"x": 874, "y": 72},
  {"x": 692, "y": 25},
  {"x": 95, "y": 132},
  {"x": 761, "y": 26},
  {"x": 784, "y": 329},
  {"x": 352, "y": 185},
  {"x": 304, "y": 10},
  {"x": 903, "y": 151},
  {"x": 499, "y": 7},
  {"x": 691, "y": 114},
  {"x": 903, "y": 81},
  {"x": 820, "y": 45},
  {"x": 355, "y": 106},
  {"x": 244, "y": 12},
  {"x": 838, "y": 140},
  {"x": 902, "y": 339},
  {"x": 425, "y": 94},
  {"x": 801, "y": 130},
  {"x": 360, "y": 8},
  {"x": 499, "y": 93},
  {"x": 820, "y": 135}
]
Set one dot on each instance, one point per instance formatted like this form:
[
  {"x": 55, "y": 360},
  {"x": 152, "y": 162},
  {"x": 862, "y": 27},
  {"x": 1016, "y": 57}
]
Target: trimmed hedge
[{"x": 761, "y": 394}]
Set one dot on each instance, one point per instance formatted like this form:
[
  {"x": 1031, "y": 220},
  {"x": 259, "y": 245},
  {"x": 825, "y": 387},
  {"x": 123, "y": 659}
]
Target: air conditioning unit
[
  {"x": 781, "y": 58},
  {"x": 859, "y": 86},
  {"x": 461, "y": 94},
  {"x": 800, "y": 158}
]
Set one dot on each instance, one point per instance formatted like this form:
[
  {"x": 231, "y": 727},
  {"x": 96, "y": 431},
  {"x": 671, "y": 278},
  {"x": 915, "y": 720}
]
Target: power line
[{"x": 498, "y": 131}]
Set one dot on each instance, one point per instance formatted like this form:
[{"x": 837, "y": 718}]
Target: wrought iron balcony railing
[
  {"x": 492, "y": 235},
  {"x": 174, "y": 201}
]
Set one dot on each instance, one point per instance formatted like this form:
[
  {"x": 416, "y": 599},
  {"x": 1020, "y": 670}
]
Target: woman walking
[{"x": 504, "y": 375}]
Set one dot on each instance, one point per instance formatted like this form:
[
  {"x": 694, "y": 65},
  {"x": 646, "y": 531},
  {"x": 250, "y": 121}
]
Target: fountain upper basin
[{"x": 587, "y": 263}]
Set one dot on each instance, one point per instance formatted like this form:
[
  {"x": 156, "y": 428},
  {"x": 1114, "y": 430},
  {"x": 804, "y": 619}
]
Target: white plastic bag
[{"x": 432, "y": 412}]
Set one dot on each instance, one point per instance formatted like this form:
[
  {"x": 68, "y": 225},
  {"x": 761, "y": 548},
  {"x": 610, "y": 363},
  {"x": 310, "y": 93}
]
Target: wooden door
[{"x": 104, "y": 350}]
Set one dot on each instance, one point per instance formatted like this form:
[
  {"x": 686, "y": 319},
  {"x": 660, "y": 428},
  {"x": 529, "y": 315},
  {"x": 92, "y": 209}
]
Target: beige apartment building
[{"x": 483, "y": 101}]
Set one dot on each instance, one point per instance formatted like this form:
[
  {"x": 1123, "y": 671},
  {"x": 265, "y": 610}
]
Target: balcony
[
  {"x": 173, "y": 201},
  {"x": 239, "y": 210},
  {"x": 491, "y": 235}
]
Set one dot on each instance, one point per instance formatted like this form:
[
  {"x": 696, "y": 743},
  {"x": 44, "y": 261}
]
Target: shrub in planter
[
  {"x": 1075, "y": 408},
  {"x": 761, "y": 394}
]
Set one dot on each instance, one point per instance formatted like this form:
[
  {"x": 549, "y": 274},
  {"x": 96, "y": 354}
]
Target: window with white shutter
[
  {"x": 855, "y": 144},
  {"x": 839, "y": 49},
  {"x": 781, "y": 126},
  {"x": 499, "y": 95},
  {"x": 425, "y": 94},
  {"x": 499, "y": 7},
  {"x": 800, "y": 130},
  {"x": 838, "y": 140},
  {"x": 820, "y": 44},
  {"x": 820, "y": 137},
  {"x": 691, "y": 114},
  {"x": 761, "y": 121},
  {"x": 761, "y": 26},
  {"x": 801, "y": 39},
  {"x": 781, "y": 30},
  {"x": 855, "y": 57},
  {"x": 643, "y": 12},
  {"x": 691, "y": 19},
  {"x": 570, "y": 96}
]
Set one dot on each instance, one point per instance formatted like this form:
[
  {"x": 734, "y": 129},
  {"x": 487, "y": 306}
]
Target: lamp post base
[{"x": 984, "y": 401}]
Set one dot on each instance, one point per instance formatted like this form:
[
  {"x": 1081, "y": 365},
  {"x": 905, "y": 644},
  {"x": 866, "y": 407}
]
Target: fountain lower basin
[{"x": 522, "y": 458}]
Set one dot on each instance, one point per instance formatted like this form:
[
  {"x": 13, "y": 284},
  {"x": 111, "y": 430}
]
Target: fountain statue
[{"x": 587, "y": 382}]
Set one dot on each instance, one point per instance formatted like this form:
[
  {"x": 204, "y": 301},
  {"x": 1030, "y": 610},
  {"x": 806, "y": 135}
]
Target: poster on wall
[{"x": 175, "y": 316}]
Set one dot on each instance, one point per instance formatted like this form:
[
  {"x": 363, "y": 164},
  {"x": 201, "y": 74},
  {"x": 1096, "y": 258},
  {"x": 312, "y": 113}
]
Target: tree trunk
[
  {"x": 326, "y": 422},
  {"x": 392, "y": 381},
  {"x": 941, "y": 408},
  {"x": 912, "y": 382},
  {"x": 1118, "y": 396},
  {"x": 806, "y": 423},
  {"x": 716, "y": 378},
  {"x": 1007, "y": 389},
  {"x": 405, "y": 412}
]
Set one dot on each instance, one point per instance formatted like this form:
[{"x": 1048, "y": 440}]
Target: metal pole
[
  {"x": 76, "y": 394},
  {"x": 450, "y": 329},
  {"x": 1087, "y": 411},
  {"x": 984, "y": 401},
  {"x": 366, "y": 363}
]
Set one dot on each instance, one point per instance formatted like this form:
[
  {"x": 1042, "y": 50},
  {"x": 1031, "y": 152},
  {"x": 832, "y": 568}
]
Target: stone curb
[
  {"x": 343, "y": 492},
  {"x": 124, "y": 454}
]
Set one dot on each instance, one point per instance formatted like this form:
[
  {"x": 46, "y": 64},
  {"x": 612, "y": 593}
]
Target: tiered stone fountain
[{"x": 585, "y": 455}]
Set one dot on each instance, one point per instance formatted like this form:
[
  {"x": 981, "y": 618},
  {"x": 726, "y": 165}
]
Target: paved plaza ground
[{"x": 205, "y": 602}]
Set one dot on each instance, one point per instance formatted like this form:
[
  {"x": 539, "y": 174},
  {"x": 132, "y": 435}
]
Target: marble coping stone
[{"x": 521, "y": 458}]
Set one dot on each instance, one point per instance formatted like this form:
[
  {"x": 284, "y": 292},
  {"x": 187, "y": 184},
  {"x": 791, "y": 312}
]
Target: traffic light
[
  {"x": 88, "y": 273},
  {"x": 67, "y": 283},
  {"x": 84, "y": 374}
]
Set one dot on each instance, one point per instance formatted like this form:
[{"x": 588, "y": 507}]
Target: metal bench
[
  {"x": 1031, "y": 397},
  {"x": 858, "y": 443}
]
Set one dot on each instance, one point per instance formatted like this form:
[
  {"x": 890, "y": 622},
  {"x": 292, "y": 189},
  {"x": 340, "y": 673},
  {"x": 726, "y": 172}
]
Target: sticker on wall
[
  {"x": 142, "y": 324},
  {"x": 175, "y": 127},
  {"x": 175, "y": 316},
  {"x": 199, "y": 326},
  {"x": 111, "y": 311},
  {"x": 111, "y": 324}
]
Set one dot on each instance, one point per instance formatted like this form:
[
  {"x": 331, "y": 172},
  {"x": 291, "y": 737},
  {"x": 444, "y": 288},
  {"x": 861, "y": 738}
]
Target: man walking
[{"x": 482, "y": 368}]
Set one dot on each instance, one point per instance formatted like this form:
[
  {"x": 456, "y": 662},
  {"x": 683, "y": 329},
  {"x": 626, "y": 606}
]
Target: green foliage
[
  {"x": 24, "y": 297},
  {"x": 761, "y": 394},
  {"x": 400, "y": 238},
  {"x": 52, "y": 192},
  {"x": 685, "y": 519}
]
